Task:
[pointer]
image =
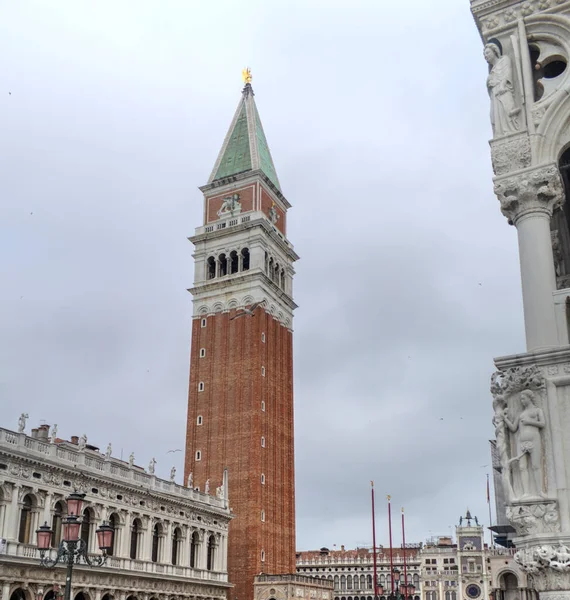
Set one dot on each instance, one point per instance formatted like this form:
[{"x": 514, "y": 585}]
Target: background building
[
  {"x": 352, "y": 571},
  {"x": 240, "y": 402},
  {"x": 170, "y": 542}
]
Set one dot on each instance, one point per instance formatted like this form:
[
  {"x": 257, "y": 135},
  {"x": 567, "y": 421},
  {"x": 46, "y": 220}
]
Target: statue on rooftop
[{"x": 22, "y": 422}]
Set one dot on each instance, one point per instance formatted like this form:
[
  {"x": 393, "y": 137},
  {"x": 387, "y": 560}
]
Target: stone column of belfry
[{"x": 527, "y": 47}]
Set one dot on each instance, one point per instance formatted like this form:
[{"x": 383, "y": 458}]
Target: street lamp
[
  {"x": 405, "y": 588},
  {"x": 72, "y": 550}
]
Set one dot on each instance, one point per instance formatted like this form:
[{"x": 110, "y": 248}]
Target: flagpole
[
  {"x": 374, "y": 544},
  {"x": 391, "y": 557},
  {"x": 489, "y": 504},
  {"x": 404, "y": 553}
]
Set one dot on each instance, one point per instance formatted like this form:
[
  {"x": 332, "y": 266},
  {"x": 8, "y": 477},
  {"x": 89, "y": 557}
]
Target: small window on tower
[
  {"x": 263, "y": 556},
  {"x": 263, "y": 337},
  {"x": 263, "y": 479},
  {"x": 211, "y": 268},
  {"x": 199, "y": 420},
  {"x": 198, "y": 455},
  {"x": 203, "y": 323},
  {"x": 262, "y": 442},
  {"x": 262, "y": 406},
  {"x": 263, "y": 515},
  {"x": 263, "y": 371},
  {"x": 201, "y": 386},
  {"x": 202, "y": 352}
]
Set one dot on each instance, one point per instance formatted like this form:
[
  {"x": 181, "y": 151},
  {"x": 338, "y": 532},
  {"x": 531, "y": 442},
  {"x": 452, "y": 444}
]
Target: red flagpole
[
  {"x": 404, "y": 549},
  {"x": 374, "y": 544},
  {"x": 391, "y": 558}
]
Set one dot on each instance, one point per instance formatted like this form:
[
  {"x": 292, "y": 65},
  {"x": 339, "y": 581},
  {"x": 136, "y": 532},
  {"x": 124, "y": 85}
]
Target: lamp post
[
  {"x": 73, "y": 550},
  {"x": 402, "y": 591}
]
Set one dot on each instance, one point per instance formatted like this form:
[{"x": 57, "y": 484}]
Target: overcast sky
[{"x": 112, "y": 113}]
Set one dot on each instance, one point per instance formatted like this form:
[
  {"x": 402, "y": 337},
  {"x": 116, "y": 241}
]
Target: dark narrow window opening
[
  {"x": 223, "y": 264},
  {"x": 245, "y": 259},
  {"x": 234, "y": 262},
  {"x": 211, "y": 267}
]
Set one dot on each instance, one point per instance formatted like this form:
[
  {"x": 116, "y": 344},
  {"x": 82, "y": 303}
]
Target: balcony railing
[{"x": 15, "y": 550}]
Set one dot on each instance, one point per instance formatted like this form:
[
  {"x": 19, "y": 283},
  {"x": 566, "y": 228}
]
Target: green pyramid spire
[{"x": 245, "y": 147}]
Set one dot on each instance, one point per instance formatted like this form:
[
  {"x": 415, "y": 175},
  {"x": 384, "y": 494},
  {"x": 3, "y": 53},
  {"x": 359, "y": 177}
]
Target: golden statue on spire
[{"x": 246, "y": 75}]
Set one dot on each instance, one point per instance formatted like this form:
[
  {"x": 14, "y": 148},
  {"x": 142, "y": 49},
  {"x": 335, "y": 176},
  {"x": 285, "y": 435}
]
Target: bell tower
[
  {"x": 527, "y": 47},
  {"x": 240, "y": 400}
]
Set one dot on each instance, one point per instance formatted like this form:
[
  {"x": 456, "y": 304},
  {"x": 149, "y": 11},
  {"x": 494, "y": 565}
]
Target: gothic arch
[{"x": 552, "y": 130}]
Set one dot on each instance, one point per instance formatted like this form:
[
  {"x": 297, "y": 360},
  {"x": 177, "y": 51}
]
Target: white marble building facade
[{"x": 170, "y": 541}]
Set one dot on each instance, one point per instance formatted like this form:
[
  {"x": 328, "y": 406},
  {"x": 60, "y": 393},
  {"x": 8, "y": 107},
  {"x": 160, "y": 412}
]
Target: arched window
[
  {"x": 282, "y": 279},
  {"x": 234, "y": 262},
  {"x": 194, "y": 544},
  {"x": 222, "y": 265},
  {"x": 271, "y": 268},
  {"x": 447, "y": 595},
  {"x": 176, "y": 541},
  {"x": 362, "y": 582},
  {"x": 156, "y": 538},
  {"x": 211, "y": 553},
  {"x": 453, "y": 595},
  {"x": 336, "y": 581},
  {"x": 417, "y": 580},
  {"x": 275, "y": 274},
  {"x": 343, "y": 583},
  {"x": 86, "y": 526},
  {"x": 113, "y": 522},
  {"x": 211, "y": 268},
  {"x": 25, "y": 531},
  {"x": 245, "y": 259},
  {"x": 349, "y": 582},
  {"x": 369, "y": 582},
  {"x": 136, "y": 533},
  {"x": 266, "y": 262},
  {"x": 58, "y": 511}
]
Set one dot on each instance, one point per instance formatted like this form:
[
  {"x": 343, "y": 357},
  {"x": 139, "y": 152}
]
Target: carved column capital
[
  {"x": 539, "y": 190},
  {"x": 547, "y": 566}
]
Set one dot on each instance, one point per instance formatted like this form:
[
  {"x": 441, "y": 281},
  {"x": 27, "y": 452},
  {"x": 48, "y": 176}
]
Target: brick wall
[{"x": 230, "y": 436}]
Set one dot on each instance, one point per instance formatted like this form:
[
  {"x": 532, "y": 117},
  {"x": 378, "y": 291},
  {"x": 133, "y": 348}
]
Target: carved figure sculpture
[
  {"x": 499, "y": 406},
  {"x": 220, "y": 492},
  {"x": 557, "y": 253},
  {"x": 528, "y": 424},
  {"x": 230, "y": 206},
  {"x": 108, "y": 451},
  {"x": 22, "y": 422},
  {"x": 173, "y": 474},
  {"x": 505, "y": 114},
  {"x": 190, "y": 480},
  {"x": 82, "y": 443},
  {"x": 152, "y": 465},
  {"x": 207, "y": 486},
  {"x": 53, "y": 434},
  {"x": 131, "y": 459},
  {"x": 273, "y": 214}
]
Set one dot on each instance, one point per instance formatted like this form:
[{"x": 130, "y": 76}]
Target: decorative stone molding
[
  {"x": 517, "y": 379},
  {"x": 540, "y": 190},
  {"x": 510, "y": 154},
  {"x": 534, "y": 518}
]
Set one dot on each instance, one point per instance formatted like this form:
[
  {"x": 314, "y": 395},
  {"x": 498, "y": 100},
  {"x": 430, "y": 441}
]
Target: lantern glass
[
  {"x": 71, "y": 526},
  {"x": 44, "y": 534},
  {"x": 75, "y": 504},
  {"x": 105, "y": 537}
]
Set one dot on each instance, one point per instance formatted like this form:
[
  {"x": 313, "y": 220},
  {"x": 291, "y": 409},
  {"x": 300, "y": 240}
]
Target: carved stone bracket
[
  {"x": 534, "y": 518},
  {"x": 532, "y": 191},
  {"x": 510, "y": 154}
]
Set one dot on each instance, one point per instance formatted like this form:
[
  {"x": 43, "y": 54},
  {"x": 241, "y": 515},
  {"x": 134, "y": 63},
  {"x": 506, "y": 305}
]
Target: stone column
[
  {"x": 13, "y": 515},
  {"x": 528, "y": 200}
]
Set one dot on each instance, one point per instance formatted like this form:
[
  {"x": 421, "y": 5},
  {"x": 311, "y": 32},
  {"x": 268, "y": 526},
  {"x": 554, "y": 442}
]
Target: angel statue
[{"x": 505, "y": 114}]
